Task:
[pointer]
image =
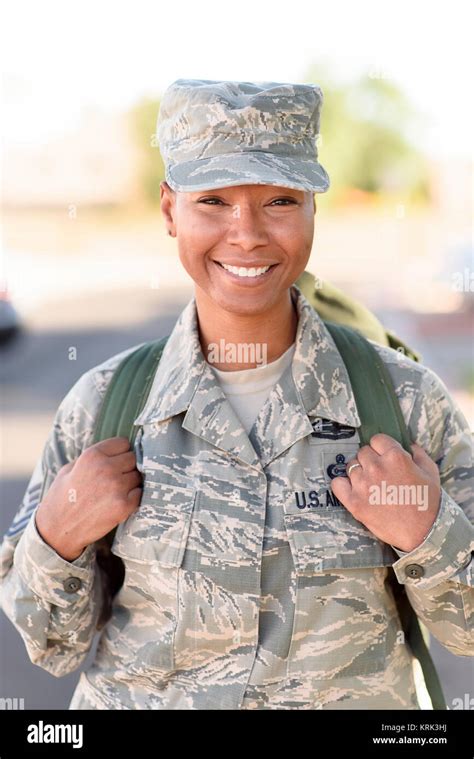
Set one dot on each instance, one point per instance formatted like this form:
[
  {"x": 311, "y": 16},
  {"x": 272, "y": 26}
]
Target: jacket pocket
[
  {"x": 158, "y": 530},
  {"x": 334, "y": 540},
  {"x": 341, "y": 614},
  {"x": 141, "y": 634}
]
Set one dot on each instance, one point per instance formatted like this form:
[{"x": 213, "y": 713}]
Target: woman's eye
[{"x": 283, "y": 200}]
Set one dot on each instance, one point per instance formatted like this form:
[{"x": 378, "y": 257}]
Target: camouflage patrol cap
[{"x": 222, "y": 133}]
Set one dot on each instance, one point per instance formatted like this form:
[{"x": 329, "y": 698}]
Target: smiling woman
[
  {"x": 238, "y": 592},
  {"x": 243, "y": 246}
]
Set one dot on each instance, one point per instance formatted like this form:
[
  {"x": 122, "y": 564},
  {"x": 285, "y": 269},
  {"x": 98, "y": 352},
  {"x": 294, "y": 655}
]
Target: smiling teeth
[{"x": 242, "y": 271}]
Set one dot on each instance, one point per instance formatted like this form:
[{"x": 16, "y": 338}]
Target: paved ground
[{"x": 36, "y": 374}]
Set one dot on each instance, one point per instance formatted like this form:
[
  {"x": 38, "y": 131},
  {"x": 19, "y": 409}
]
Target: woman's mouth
[{"x": 246, "y": 274}]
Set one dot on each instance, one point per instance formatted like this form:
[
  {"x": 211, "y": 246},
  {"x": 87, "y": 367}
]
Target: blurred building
[{"x": 97, "y": 163}]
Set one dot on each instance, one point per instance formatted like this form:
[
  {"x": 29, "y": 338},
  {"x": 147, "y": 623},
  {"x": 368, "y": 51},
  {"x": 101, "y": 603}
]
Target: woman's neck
[{"x": 231, "y": 342}]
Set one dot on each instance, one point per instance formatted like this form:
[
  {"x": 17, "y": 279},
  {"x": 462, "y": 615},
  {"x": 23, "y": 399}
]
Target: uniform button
[
  {"x": 72, "y": 584},
  {"x": 414, "y": 571}
]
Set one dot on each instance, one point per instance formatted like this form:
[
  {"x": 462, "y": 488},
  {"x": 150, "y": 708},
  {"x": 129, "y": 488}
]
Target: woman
[{"x": 256, "y": 557}]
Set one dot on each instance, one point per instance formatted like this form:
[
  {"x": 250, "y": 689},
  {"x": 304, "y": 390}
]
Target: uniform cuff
[
  {"x": 47, "y": 574},
  {"x": 445, "y": 550}
]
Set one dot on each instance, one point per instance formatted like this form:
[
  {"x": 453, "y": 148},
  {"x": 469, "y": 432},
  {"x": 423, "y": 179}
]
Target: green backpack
[{"x": 350, "y": 324}]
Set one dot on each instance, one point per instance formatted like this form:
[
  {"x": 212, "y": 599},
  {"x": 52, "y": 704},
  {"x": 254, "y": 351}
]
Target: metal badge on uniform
[
  {"x": 327, "y": 429},
  {"x": 334, "y": 460},
  {"x": 338, "y": 468}
]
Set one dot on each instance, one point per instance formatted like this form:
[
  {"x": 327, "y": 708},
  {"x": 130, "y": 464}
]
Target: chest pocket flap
[
  {"x": 158, "y": 530},
  {"x": 332, "y": 540}
]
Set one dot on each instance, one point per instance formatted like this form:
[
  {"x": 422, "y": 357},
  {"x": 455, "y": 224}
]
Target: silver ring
[{"x": 352, "y": 467}]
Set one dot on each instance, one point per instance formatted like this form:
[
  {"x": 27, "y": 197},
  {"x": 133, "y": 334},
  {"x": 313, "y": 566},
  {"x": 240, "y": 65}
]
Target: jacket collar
[{"x": 316, "y": 384}]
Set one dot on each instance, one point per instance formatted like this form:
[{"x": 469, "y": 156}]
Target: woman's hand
[
  {"x": 395, "y": 495},
  {"x": 89, "y": 497}
]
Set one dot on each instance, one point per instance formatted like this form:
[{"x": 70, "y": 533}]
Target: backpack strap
[
  {"x": 124, "y": 399},
  {"x": 127, "y": 392},
  {"x": 380, "y": 411}
]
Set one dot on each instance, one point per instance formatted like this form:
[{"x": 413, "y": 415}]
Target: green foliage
[
  {"x": 364, "y": 143},
  {"x": 152, "y": 170}
]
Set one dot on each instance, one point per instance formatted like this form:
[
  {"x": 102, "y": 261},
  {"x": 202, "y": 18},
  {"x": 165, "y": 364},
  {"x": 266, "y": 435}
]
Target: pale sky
[{"x": 58, "y": 57}]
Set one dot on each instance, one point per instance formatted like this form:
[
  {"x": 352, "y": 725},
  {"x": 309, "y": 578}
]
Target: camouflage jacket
[{"x": 248, "y": 586}]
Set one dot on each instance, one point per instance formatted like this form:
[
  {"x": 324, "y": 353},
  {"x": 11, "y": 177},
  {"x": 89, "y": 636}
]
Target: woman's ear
[{"x": 167, "y": 203}]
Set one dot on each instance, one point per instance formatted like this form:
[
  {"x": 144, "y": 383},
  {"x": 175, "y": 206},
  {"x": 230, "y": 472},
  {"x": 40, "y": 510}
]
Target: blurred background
[{"x": 86, "y": 264}]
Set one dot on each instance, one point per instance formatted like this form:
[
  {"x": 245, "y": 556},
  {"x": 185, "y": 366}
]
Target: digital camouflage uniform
[{"x": 248, "y": 585}]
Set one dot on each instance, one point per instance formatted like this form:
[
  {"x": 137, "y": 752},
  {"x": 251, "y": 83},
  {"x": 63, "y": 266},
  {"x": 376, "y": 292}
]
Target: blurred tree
[
  {"x": 364, "y": 143},
  {"x": 152, "y": 170}
]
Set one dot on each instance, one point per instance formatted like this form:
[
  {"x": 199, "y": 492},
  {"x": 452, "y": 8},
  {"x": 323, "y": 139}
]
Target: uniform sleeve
[
  {"x": 438, "y": 574},
  {"x": 53, "y": 603}
]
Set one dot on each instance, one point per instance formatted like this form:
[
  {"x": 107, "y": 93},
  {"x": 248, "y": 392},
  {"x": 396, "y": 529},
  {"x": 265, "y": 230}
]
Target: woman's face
[{"x": 247, "y": 227}]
